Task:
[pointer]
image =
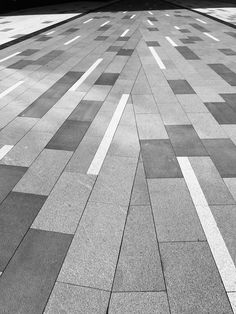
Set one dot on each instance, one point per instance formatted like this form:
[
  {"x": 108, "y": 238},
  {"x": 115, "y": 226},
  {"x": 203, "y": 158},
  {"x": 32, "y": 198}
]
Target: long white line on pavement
[
  {"x": 87, "y": 21},
  {"x": 125, "y": 12},
  {"x": 132, "y": 16},
  {"x": 71, "y": 41},
  {"x": 215, "y": 240},
  {"x": 105, "y": 23},
  {"x": 150, "y": 12},
  {"x": 13, "y": 55},
  {"x": 171, "y": 41},
  {"x": 100, "y": 155},
  {"x": 50, "y": 33},
  {"x": 209, "y": 35},
  {"x": 124, "y": 33},
  {"x": 177, "y": 27},
  {"x": 7, "y": 91},
  {"x": 157, "y": 58},
  {"x": 232, "y": 299},
  {"x": 167, "y": 14},
  {"x": 201, "y": 21},
  {"x": 4, "y": 150},
  {"x": 150, "y": 23},
  {"x": 85, "y": 75}
]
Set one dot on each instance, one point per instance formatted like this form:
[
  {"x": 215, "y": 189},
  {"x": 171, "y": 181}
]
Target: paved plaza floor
[{"x": 118, "y": 162}]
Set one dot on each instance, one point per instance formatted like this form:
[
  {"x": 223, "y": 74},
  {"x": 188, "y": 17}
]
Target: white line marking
[
  {"x": 150, "y": 23},
  {"x": 124, "y": 33},
  {"x": 177, "y": 27},
  {"x": 209, "y": 35},
  {"x": 217, "y": 245},
  {"x": 87, "y": 21},
  {"x": 132, "y": 16},
  {"x": 71, "y": 41},
  {"x": 100, "y": 155},
  {"x": 4, "y": 150},
  {"x": 13, "y": 55},
  {"x": 105, "y": 23},
  {"x": 125, "y": 12},
  {"x": 85, "y": 75},
  {"x": 201, "y": 21},
  {"x": 171, "y": 41},
  {"x": 232, "y": 299},
  {"x": 150, "y": 12},
  {"x": 157, "y": 58},
  {"x": 50, "y": 33},
  {"x": 167, "y": 14},
  {"x": 7, "y": 91}
]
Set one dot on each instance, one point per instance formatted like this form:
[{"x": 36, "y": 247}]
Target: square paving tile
[{"x": 107, "y": 79}]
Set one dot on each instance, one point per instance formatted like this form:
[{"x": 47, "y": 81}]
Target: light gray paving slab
[
  {"x": 140, "y": 194},
  {"x": 93, "y": 254},
  {"x": 230, "y": 130},
  {"x": 193, "y": 282},
  {"x": 44, "y": 172},
  {"x": 144, "y": 103},
  {"x": 66, "y": 298},
  {"x": 174, "y": 213},
  {"x": 213, "y": 186},
  {"x": 139, "y": 302},
  {"x": 150, "y": 126},
  {"x": 141, "y": 85},
  {"x": 191, "y": 103},
  {"x": 172, "y": 113},
  {"x": 231, "y": 184},
  {"x": 139, "y": 266},
  {"x": 65, "y": 204}
]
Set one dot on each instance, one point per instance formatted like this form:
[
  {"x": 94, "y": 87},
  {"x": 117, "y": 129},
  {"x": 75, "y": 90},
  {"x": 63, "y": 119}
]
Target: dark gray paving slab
[
  {"x": 86, "y": 110},
  {"x": 48, "y": 57},
  {"x": 107, "y": 79},
  {"x": 70, "y": 31},
  {"x": 228, "y": 51},
  {"x": 69, "y": 135},
  {"x": 159, "y": 159},
  {"x": 125, "y": 52},
  {"x": 43, "y": 38},
  {"x": 48, "y": 99},
  {"x": 187, "y": 53},
  {"x": 17, "y": 212},
  {"x": 152, "y": 43},
  {"x": 125, "y": 38},
  {"x": 28, "y": 52},
  {"x": 232, "y": 34},
  {"x": 223, "y": 71},
  {"x": 174, "y": 213},
  {"x": 185, "y": 140},
  {"x": 140, "y": 194},
  {"x": 181, "y": 87},
  {"x": 101, "y": 38},
  {"x": 153, "y": 29},
  {"x": 222, "y": 112},
  {"x": 21, "y": 64},
  {"x": 184, "y": 31},
  {"x": 139, "y": 264},
  {"x": 230, "y": 99},
  {"x": 28, "y": 279},
  {"x": 223, "y": 154},
  {"x": 193, "y": 282},
  {"x": 199, "y": 27},
  {"x": 9, "y": 176},
  {"x": 113, "y": 48}
]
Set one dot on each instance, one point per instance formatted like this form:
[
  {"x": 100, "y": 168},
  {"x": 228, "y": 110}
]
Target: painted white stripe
[
  {"x": 150, "y": 23},
  {"x": 217, "y": 245},
  {"x": 7, "y": 91},
  {"x": 13, "y": 55},
  {"x": 105, "y": 23},
  {"x": 87, "y": 21},
  {"x": 171, "y": 41},
  {"x": 201, "y": 21},
  {"x": 124, "y": 33},
  {"x": 167, "y": 14},
  {"x": 132, "y": 16},
  {"x": 157, "y": 58},
  {"x": 150, "y": 12},
  {"x": 85, "y": 75},
  {"x": 177, "y": 27},
  {"x": 4, "y": 150},
  {"x": 50, "y": 33},
  {"x": 71, "y": 41},
  {"x": 209, "y": 35},
  {"x": 125, "y": 12},
  {"x": 232, "y": 299},
  {"x": 100, "y": 155}
]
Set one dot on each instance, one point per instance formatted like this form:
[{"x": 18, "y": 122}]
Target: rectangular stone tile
[
  {"x": 115, "y": 181},
  {"x": 144, "y": 104},
  {"x": 9, "y": 176},
  {"x": 172, "y": 113},
  {"x": 152, "y": 43},
  {"x": 185, "y": 140},
  {"x": 74, "y": 299},
  {"x": 37, "y": 261},
  {"x": 150, "y": 126},
  {"x": 199, "y": 27},
  {"x": 140, "y": 195},
  {"x": 181, "y": 87},
  {"x": 187, "y": 53},
  {"x": 174, "y": 213},
  {"x": 98, "y": 92},
  {"x": 93, "y": 254},
  {"x": 107, "y": 79},
  {"x": 223, "y": 154},
  {"x": 228, "y": 52},
  {"x": 19, "y": 65},
  {"x": 28, "y": 52},
  {"x": 113, "y": 48},
  {"x": 65, "y": 204},
  {"x": 44, "y": 172},
  {"x": 213, "y": 186},
  {"x": 101, "y": 38},
  {"x": 69, "y": 135},
  {"x": 228, "y": 75},
  {"x": 48, "y": 57},
  {"x": 191, "y": 103},
  {"x": 139, "y": 302},
  {"x": 222, "y": 112},
  {"x": 230, "y": 99},
  {"x": 206, "y": 126},
  {"x": 191, "y": 274},
  {"x": 49, "y": 98},
  {"x": 153, "y": 29},
  {"x": 86, "y": 110},
  {"x": 17, "y": 212},
  {"x": 125, "y": 52},
  {"x": 159, "y": 159},
  {"x": 139, "y": 265},
  {"x": 231, "y": 185}
]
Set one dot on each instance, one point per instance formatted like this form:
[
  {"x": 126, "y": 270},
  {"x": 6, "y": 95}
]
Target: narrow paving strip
[{"x": 117, "y": 165}]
